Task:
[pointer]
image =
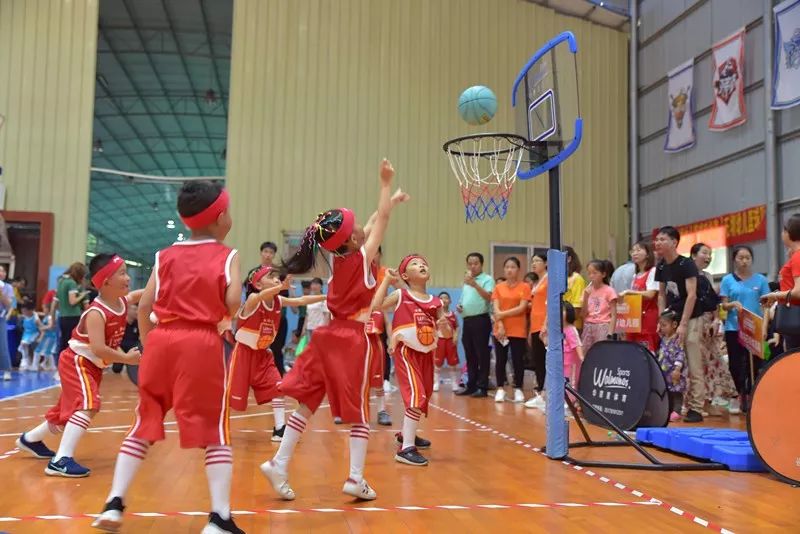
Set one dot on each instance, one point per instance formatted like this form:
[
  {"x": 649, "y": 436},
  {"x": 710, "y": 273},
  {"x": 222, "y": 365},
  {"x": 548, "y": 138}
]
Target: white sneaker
[
  {"x": 455, "y": 385},
  {"x": 719, "y": 401},
  {"x": 436, "y": 386},
  {"x": 500, "y": 396},
  {"x": 359, "y": 490},
  {"x": 7, "y": 376},
  {"x": 733, "y": 406},
  {"x": 536, "y": 401},
  {"x": 278, "y": 481},
  {"x": 108, "y": 521},
  {"x": 387, "y": 386},
  {"x": 519, "y": 396}
]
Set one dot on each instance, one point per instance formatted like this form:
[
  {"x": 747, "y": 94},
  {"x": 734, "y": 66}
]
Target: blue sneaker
[
  {"x": 37, "y": 448},
  {"x": 66, "y": 467}
]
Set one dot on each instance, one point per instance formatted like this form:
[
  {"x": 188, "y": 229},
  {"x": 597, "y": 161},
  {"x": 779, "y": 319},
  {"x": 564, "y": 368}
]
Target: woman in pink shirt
[{"x": 599, "y": 304}]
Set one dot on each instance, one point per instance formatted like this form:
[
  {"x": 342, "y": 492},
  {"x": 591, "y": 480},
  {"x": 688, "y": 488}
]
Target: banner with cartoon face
[
  {"x": 680, "y": 102},
  {"x": 727, "y": 60},
  {"x": 786, "y": 83}
]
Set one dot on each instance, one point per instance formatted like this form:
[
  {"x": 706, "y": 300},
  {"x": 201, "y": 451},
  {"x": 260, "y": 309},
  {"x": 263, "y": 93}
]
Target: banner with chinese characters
[
  {"x": 629, "y": 314},
  {"x": 739, "y": 227}
]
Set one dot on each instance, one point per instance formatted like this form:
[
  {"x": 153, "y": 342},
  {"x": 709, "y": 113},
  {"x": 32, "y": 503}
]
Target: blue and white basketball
[{"x": 477, "y": 105}]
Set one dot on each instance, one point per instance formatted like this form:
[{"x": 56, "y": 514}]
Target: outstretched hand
[
  {"x": 287, "y": 282},
  {"x": 392, "y": 276},
  {"x": 400, "y": 197},
  {"x": 387, "y": 172}
]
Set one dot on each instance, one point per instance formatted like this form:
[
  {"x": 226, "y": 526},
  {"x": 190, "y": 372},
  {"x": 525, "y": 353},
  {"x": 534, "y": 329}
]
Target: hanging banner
[
  {"x": 680, "y": 128},
  {"x": 786, "y": 83},
  {"x": 739, "y": 227},
  {"x": 727, "y": 60}
]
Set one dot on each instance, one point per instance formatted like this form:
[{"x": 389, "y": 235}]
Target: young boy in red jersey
[
  {"x": 416, "y": 318},
  {"x": 194, "y": 285},
  {"x": 252, "y": 363},
  {"x": 92, "y": 346}
]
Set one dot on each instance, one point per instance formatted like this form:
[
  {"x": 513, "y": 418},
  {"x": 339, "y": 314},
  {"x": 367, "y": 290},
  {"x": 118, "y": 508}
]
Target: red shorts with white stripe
[
  {"x": 183, "y": 368},
  {"x": 250, "y": 368},
  {"x": 446, "y": 351},
  {"x": 80, "y": 387},
  {"x": 337, "y": 362},
  {"x": 414, "y": 373},
  {"x": 378, "y": 360}
]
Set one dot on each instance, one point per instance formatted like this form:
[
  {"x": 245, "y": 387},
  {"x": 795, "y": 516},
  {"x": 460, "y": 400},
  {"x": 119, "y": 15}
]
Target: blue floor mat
[{"x": 726, "y": 446}]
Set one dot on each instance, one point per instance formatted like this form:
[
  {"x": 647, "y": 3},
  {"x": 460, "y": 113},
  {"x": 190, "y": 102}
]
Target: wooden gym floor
[{"x": 485, "y": 474}]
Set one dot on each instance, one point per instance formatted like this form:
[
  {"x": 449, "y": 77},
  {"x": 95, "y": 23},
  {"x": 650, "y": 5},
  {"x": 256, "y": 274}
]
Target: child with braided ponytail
[{"x": 337, "y": 359}]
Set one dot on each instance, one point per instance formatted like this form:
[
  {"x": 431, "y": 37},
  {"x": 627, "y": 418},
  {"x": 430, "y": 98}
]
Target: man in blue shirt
[{"x": 474, "y": 306}]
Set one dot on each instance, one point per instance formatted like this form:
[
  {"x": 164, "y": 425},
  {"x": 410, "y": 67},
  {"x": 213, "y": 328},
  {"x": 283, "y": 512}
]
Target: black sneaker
[
  {"x": 217, "y": 525},
  {"x": 111, "y": 518},
  {"x": 693, "y": 417},
  {"x": 277, "y": 435},
  {"x": 464, "y": 392},
  {"x": 420, "y": 443},
  {"x": 479, "y": 393},
  {"x": 36, "y": 448},
  {"x": 384, "y": 418},
  {"x": 410, "y": 456}
]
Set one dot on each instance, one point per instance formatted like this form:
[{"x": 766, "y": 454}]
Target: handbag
[{"x": 787, "y": 319}]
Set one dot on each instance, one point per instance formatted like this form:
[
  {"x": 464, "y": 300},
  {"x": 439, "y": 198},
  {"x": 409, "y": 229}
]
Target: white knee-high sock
[
  {"x": 359, "y": 439},
  {"x": 73, "y": 431},
  {"x": 294, "y": 429},
  {"x": 42, "y": 431},
  {"x": 381, "y": 399},
  {"x": 131, "y": 454},
  {"x": 410, "y": 424},
  {"x": 219, "y": 471},
  {"x": 279, "y": 412}
]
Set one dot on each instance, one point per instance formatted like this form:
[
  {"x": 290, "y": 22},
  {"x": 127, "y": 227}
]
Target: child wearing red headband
[
  {"x": 337, "y": 359},
  {"x": 417, "y": 315},
  {"x": 252, "y": 363},
  {"x": 92, "y": 346},
  {"x": 193, "y": 286}
]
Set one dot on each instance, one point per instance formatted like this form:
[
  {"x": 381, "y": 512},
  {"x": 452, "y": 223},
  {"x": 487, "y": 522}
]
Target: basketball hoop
[{"x": 486, "y": 166}]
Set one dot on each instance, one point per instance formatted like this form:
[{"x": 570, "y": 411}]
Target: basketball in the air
[
  {"x": 477, "y": 105},
  {"x": 426, "y": 335}
]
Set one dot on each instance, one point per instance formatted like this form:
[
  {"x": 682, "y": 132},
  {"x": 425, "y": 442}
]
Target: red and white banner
[{"x": 728, "y": 107}]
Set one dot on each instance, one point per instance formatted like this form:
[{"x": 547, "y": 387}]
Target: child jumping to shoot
[
  {"x": 416, "y": 317},
  {"x": 337, "y": 359},
  {"x": 194, "y": 285},
  {"x": 92, "y": 346}
]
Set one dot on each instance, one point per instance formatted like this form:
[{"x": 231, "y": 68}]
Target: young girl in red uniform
[
  {"x": 92, "y": 346},
  {"x": 446, "y": 350},
  {"x": 337, "y": 359},
  {"x": 252, "y": 363},
  {"x": 194, "y": 285},
  {"x": 416, "y": 318}
]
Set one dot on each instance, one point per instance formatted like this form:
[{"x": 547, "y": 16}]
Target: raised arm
[
  {"x": 305, "y": 300},
  {"x": 233, "y": 294},
  {"x": 378, "y": 228},
  {"x": 135, "y": 296},
  {"x": 380, "y": 301}
]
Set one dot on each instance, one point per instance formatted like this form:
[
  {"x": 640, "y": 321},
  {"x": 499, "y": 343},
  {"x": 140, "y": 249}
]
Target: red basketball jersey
[
  {"x": 258, "y": 329},
  {"x": 451, "y": 319},
  {"x": 115, "y": 320},
  {"x": 191, "y": 279},
  {"x": 351, "y": 287},
  {"x": 376, "y": 323},
  {"x": 414, "y": 321}
]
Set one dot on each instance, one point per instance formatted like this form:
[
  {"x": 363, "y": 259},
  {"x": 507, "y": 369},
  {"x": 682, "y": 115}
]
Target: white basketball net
[{"x": 486, "y": 169}]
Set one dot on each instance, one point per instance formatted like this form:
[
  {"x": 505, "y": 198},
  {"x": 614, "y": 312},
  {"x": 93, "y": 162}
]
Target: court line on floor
[
  {"x": 592, "y": 474},
  {"x": 20, "y": 395},
  {"x": 350, "y": 509}
]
